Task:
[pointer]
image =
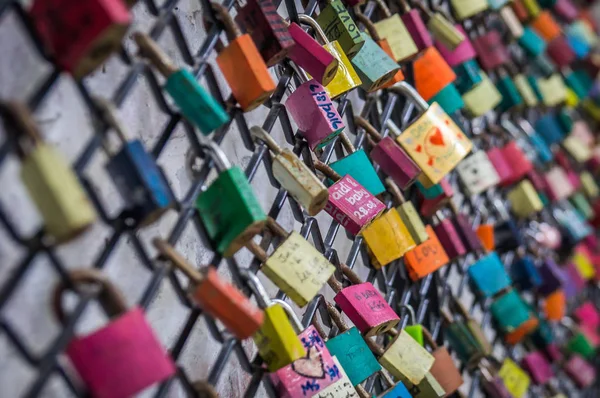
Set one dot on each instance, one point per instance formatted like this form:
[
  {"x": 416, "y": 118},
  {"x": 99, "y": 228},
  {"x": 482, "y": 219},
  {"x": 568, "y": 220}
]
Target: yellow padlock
[
  {"x": 525, "y": 90},
  {"x": 577, "y": 149},
  {"x": 392, "y": 29},
  {"x": 524, "y": 199},
  {"x": 346, "y": 77},
  {"x": 482, "y": 98},
  {"x": 584, "y": 265},
  {"x": 572, "y": 99},
  {"x": 553, "y": 90},
  {"x": 589, "y": 186},
  {"x": 387, "y": 238},
  {"x": 515, "y": 379}
]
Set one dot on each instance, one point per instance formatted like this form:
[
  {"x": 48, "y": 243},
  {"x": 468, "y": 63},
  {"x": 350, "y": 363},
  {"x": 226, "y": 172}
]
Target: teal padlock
[
  {"x": 544, "y": 65},
  {"x": 542, "y": 150},
  {"x": 468, "y": 75},
  {"x": 565, "y": 121},
  {"x": 373, "y": 66},
  {"x": 509, "y": 311},
  {"x": 531, "y": 42},
  {"x": 582, "y": 205},
  {"x": 549, "y": 129},
  {"x": 497, "y": 4},
  {"x": 358, "y": 166},
  {"x": 488, "y": 275},
  {"x": 194, "y": 102},
  {"x": 575, "y": 226},
  {"x": 543, "y": 336},
  {"x": 432, "y": 192},
  {"x": 584, "y": 77},
  {"x": 351, "y": 350},
  {"x": 575, "y": 84},
  {"x": 449, "y": 99},
  {"x": 510, "y": 94},
  {"x": 461, "y": 340},
  {"x": 533, "y": 83},
  {"x": 228, "y": 208}
]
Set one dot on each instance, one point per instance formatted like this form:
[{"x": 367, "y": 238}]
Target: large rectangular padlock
[
  {"x": 448, "y": 236},
  {"x": 538, "y": 367},
  {"x": 580, "y": 371},
  {"x": 443, "y": 370},
  {"x": 546, "y": 26},
  {"x": 553, "y": 90},
  {"x": 122, "y": 358},
  {"x": 560, "y": 52},
  {"x": 518, "y": 161},
  {"x": 338, "y": 25},
  {"x": 295, "y": 266},
  {"x": 426, "y": 258},
  {"x": 465, "y": 230},
  {"x": 531, "y": 42},
  {"x": 431, "y": 73},
  {"x": 309, "y": 55},
  {"x": 510, "y": 311},
  {"x": 387, "y": 238},
  {"x": 488, "y": 275}
]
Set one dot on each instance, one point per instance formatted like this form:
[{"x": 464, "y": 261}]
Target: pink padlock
[
  {"x": 518, "y": 162},
  {"x": 560, "y": 52},
  {"x": 574, "y": 179},
  {"x": 537, "y": 180},
  {"x": 415, "y": 26},
  {"x": 580, "y": 371},
  {"x": 122, "y": 358},
  {"x": 500, "y": 164},
  {"x": 559, "y": 185},
  {"x": 587, "y": 314},
  {"x": 591, "y": 335},
  {"x": 309, "y": 55},
  {"x": 582, "y": 132},
  {"x": 364, "y": 305},
  {"x": 314, "y": 113},
  {"x": 566, "y": 10},
  {"x": 311, "y": 372},
  {"x": 461, "y": 54},
  {"x": 491, "y": 50},
  {"x": 538, "y": 367},
  {"x": 553, "y": 352}
]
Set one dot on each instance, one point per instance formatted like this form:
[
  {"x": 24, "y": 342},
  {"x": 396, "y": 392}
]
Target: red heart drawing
[
  {"x": 437, "y": 138},
  {"x": 311, "y": 366},
  {"x": 419, "y": 148}
]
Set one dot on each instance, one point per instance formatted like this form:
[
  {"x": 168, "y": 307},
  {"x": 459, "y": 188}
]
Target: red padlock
[
  {"x": 500, "y": 164},
  {"x": 428, "y": 207},
  {"x": 491, "y": 51},
  {"x": 122, "y": 358},
  {"x": 518, "y": 161},
  {"x": 560, "y": 52}
]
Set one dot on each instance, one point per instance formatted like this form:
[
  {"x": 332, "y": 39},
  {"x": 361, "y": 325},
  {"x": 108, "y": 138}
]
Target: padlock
[
  {"x": 520, "y": 10},
  {"x": 531, "y": 42},
  {"x": 434, "y": 141},
  {"x": 350, "y": 204},
  {"x": 363, "y": 304},
  {"x": 488, "y": 275},
  {"x": 553, "y": 90},
  {"x": 342, "y": 387},
  {"x": 510, "y": 19},
  {"x": 524, "y": 272},
  {"x": 465, "y": 230},
  {"x": 582, "y": 206},
  {"x": 560, "y": 52},
  {"x": 431, "y": 73},
  {"x": 554, "y": 305},
  {"x": 388, "y": 155},
  {"x": 80, "y": 36},
  {"x": 461, "y": 340},
  {"x": 346, "y": 77},
  {"x": 195, "y": 104},
  {"x": 313, "y": 111},
  {"x": 548, "y": 235},
  {"x": 580, "y": 371},
  {"x": 294, "y": 175},
  {"x": 511, "y": 98},
  {"x": 428, "y": 206},
  {"x": 583, "y": 263},
  {"x": 538, "y": 367},
  {"x": 559, "y": 186},
  {"x": 566, "y": 10},
  {"x": 426, "y": 258},
  {"x": 525, "y": 201},
  {"x": 351, "y": 349},
  {"x": 511, "y": 313},
  {"x": 415, "y": 25},
  {"x": 577, "y": 83},
  {"x": 546, "y": 26},
  {"x": 396, "y": 390},
  {"x": 309, "y": 55},
  {"x": 392, "y": 29},
  {"x": 449, "y": 99},
  {"x": 549, "y": 129},
  {"x": 51, "y": 183},
  {"x": 442, "y": 29},
  {"x": 552, "y": 276},
  {"x": 135, "y": 172},
  {"x": 577, "y": 149},
  {"x": 414, "y": 329},
  {"x": 468, "y": 75},
  {"x": 578, "y": 45},
  {"x": 515, "y": 378},
  {"x": 464, "y": 9},
  {"x": 473, "y": 326},
  {"x": 477, "y": 173},
  {"x": 532, "y": 7},
  {"x": 544, "y": 65},
  {"x": 492, "y": 384},
  {"x": 581, "y": 130},
  {"x": 497, "y": 4},
  {"x": 338, "y": 25},
  {"x": 575, "y": 283},
  {"x": 229, "y": 227},
  {"x": 259, "y": 18},
  {"x": 577, "y": 341},
  {"x": 518, "y": 161},
  {"x": 374, "y": 66},
  {"x": 542, "y": 149},
  {"x": 408, "y": 214},
  {"x": 582, "y": 30},
  {"x": 507, "y": 236},
  {"x": 277, "y": 339},
  {"x": 218, "y": 298},
  {"x": 241, "y": 64},
  {"x": 448, "y": 236},
  {"x": 587, "y": 314},
  {"x": 482, "y": 98},
  {"x": 295, "y": 265},
  {"x": 387, "y": 239},
  {"x": 461, "y": 54},
  {"x": 122, "y": 358},
  {"x": 485, "y": 233},
  {"x": 443, "y": 370},
  {"x": 490, "y": 50}
]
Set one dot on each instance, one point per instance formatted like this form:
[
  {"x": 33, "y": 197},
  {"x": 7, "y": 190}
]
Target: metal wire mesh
[{"x": 426, "y": 296}]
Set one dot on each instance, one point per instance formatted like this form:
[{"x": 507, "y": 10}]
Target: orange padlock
[
  {"x": 241, "y": 64},
  {"x": 555, "y": 305},
  {"x": 485, "y": 232},
  {"x": 426, "y": 258},
  {"x": 545, "y": 25},
  {"x": 432, "y": 73},
  {"x": 522, "y": 331}
]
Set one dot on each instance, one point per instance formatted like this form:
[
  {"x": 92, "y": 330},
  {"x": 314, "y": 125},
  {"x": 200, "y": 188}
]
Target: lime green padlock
[{"x": 338, "y": 25}]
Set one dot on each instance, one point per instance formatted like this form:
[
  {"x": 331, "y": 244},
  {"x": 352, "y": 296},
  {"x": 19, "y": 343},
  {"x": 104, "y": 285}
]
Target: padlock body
[
  {"x": 339, "y": 26},
  {"x": 395, "y": 162},
  {"x": 346, "y": 77},
  {"x": 525, "y": 90},
  {"x": 468, "y": 8},
  {"x": 509, "y": 311},
  {"x": 358, "y": 165},
  {"x": 122, "y": 358},
  {"x": 468, "y": 75},
  {"x": 259, "y": 18},
  {"x": 230, "y": 227},
  {"x": 525, "y": 273},
  {"x": 315, "y": 114},
  {"x": 311, "y": 57},
  {"x": 426, "y": 258},
  {"x": 428, "y": 387},
  {"x": 367, "y": 309},
  {"x": 406, "y": 360},
  {"x": 417, "y": 29},
  {"x": 466, "y": 232},
  {"x": 351, "y": 205},
  {"x": 298, "y": 269},
  {"x": 411, "y": 219},
  {"x": 510, "y": 94},
  {"x": 531, "y": 42},
  {"x": 449, "y": 99},
  {"x": 140, "y": 182},
  {"x": 553, "y": 90},
  {"x": 549, "y": 129},
  {"x": 538, "y": 367},
  {"x": 580, "y": 371},
  {"x": 78, "y": 47},
  {"x": 57, "y": 193},
  {"x": 354, "y": 355},
  {"x": 560, "y": 52},
  {"x": 373, "y": 65},
  {"x": 431, "y": 73},
  {"x": 559, "y": 186},
  {"x": 518, "y": 162},
  {"x": 445, "y": 371},
  {"x": 491, "y": 50},
  {"x": 296, "y": 178},
  {"x": 444, "y": 32},
  {"x": 341, "y": 388},
  {"x": 587, "y": 314},
  {"x": 277, "y": 342},
  {"x": 555, "y": 305},
  {"x": 246, "y": 72},
  {"x": 515, "y": 379},
  {"x": 197, "y": 105},
  {"x": 463, "y": 342},
  {"x": 395, "y": 32},
  {"x": 545, "y": 25},
  {"x": 449, "y": 238},
  {"x": 482, "y": 98},
  {"x": 488, "y": 275},
  {"x": 477, "y": 173},
  {"x": 524, "y": 199},
  {"x": 387, "y": 239},
  {"x": 485, "y": 232},
  {"x": 461, "y": 54}
]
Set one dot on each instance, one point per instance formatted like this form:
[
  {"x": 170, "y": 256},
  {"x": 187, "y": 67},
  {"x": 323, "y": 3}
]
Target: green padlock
[
  {"x": 565, "y": 121},
  {"x": 509, "y": 311},
  {"x": 533, "y": 83},
  {"x": 468, "y": 75},
  {"x": 414, "y": 329},
  {"x": 449, "y": 99},
  {"x": 339, "y": 25},
  {"x": 510, "y": 94},
  {"x": 229, "y": 209},
  {"x": 462, "y": 340},
  {"x": 374, "y": 67},
  {"x": 582, "y": 206},
  {"x": 578, "y": 343}
]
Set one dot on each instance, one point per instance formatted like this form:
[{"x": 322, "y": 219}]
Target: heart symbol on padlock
[
  {"x": 310, "y": 366},
  {"x": 437, "y": 138}
]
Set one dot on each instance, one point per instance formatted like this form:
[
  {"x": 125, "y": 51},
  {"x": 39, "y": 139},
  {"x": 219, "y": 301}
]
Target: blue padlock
[
  {"x": 525, "y": 273},
  {"x": 549, "y": 129},
  {"x": 578, "y": 45},
  {"x": 140, "y": 182},
  {"x": 488, "y": 275},
  {"x": 531, "y": 42}
]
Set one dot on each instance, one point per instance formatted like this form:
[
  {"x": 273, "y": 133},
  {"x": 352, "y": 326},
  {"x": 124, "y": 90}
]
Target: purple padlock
[
  {"x": 552, "y": 277},
  {"x": 461, "y": 54},
  {"x": 491, "y": 50},
  {"x": 449, "y": 238},
  {"x": 560, "y": 52},
  {"x": 466, "y": 232},
  {"x": 553, "y": 352},
  {"x": 538, "y": 367},
  {"x": 574, "y": 282},
  {"x": 566, "y": 10}
]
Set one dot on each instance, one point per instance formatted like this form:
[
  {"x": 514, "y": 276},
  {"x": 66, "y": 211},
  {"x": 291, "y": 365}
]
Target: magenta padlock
[
  {"x": 517, "y": 161},
  {"x": 315, "y": 114},
  {"x": 591, "y": 243},
  {"x": 588, "y": 315},
  {"x": 416, "y": 27},
  {"x": 311, "y": 56},
  {"x": 538, "y": 367},
  {"x": 491, "y": 51},
  {"x": 574, "y": 179},
  {"x": 122, "y": 358},
  {"x": 553, "y": 352},
  {"x": 566, "y": 10},
  {"x": 580, "y": 371},
  {"x": 464, "y": 52},
  {"x": 537, "y": 180},
  {"x": 500, "y": 164},
  {"x": 560, "y": 52},
  {"x": 466, "y": 232},
  {"x": 448, "y": 236}
]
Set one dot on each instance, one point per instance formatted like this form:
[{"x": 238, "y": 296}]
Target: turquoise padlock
[
  {"x": 399, "y": 390},
  {"x": 488, "y": 275},
  {"x": 373, "y": 66},
  {"x": 468, "y": 75},
  {"x": 579, "y": 46},
  {"x": 544, "y": 65},
  {"x": 509, "y": 311},
  {"x": 543, "y": 335},
  {"x": 584, "y": 77},
  {"x": 533, "y": 83},
  {"x": 576, "y": 85},
  {"x": 432, "y": 192},
  {"x": 570, "y": 220},
  {"x": 497, "y": 4},
  {"x": 449, "y": 99},
  {"x": 583, "y": 31},
  {"x": 510, "y": 94},
  {"x": 357, "y": 164},
  {"x": 531, "y": 42},
  {"x": 542, "y": 150},
  {"x": 565, "y": 121},
  {"x": 549, "y": 129}
]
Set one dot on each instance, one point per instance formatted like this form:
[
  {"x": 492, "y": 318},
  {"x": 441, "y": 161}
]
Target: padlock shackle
[
  {"x": 294, "y": 320},
  {"x": 108, "y": 115},
  {"x": 326, "y": 170},
  {"x": 350, "y": 274},
  {"x": 258, "y": 251},
  {"x": 335, "y": 284},
  {"x": 460, "y": 307},
  {"x": 232, "y": 30},
  {"x": 362, "y": 18},
  {"x": 362, "y": 393},
  {"x": 260, "y": 293},
  {"x": 299, "y": 71},
  {"x": 405, "y": 89},
  {"x": 411, "y": 312},
  {"x": 446, "y": 316},
  {"x": 260, "y": 134},
  {"x": 215, "y": 152},
  {"x": 429, "y": 338},
  {"x": 346, "y": 143},
  {"x": 393, "y": 128},
  {"x": 18, "y": 120},
  {"x": 151, "y": 51},
  {"x": 375, "y": 348},
  {"x": 204, "y": 389},
  {"x": 310, "y": 21},
  {"x": 276, "y": 228},
  {"x": 337, "y": 318},
  {"x": 169, "y": 253},
  {"x": 368, "y": 127},
  {"x": 404, "y": 6},
  {"x": 395, "y": 190},
  {"x": 110, "y": 298},
  {"x": 384, "y": 8},
  {"x": 386, "y": 378}
]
